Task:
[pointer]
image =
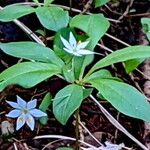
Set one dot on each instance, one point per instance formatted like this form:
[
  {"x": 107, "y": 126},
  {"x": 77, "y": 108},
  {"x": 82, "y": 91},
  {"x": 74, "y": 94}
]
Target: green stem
[{"x": 77, "y": 146}]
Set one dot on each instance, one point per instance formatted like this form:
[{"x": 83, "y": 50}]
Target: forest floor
[{"x": 126, "y": 27}]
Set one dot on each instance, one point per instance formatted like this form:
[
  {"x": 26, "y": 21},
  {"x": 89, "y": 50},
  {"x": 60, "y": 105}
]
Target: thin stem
[
  {"x": 64, "y": 138},
  {"x": 92, "y": 136},
  {"x": 117, "y": 124},
  {"x": 77, "y": 146}
]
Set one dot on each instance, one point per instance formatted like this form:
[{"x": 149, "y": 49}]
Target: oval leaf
[
  {"x": 11, "y": 12},
  {"x": 52, "y": 18},
  {"x": 124, "y": 97},
  {"x": 66, "y": 102},
  {"x": 46, "y": 102},
  {"x": 31, "y": 51},
  {"x": 94, "y": 25},
  {"x": 27, "y": 74},
  {"x": 99, "y": 3}
]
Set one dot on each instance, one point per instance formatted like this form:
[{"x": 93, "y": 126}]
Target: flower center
[{"x": 25, "y": 111}]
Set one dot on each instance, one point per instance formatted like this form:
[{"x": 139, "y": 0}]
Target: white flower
[
  {"x": 25, "y": 112},
  {"x": 74, "y": 47}
]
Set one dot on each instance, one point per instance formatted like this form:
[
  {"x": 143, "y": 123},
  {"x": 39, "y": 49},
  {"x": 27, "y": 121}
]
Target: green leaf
[
  {"x": 124, "y": 97},
  {"x": 132, "y": 52},
  {"x": 146, "y": 26},
  {"x": 103, "y": 73},
  {"x": 67, "y": 101},
  {"x": 36, "y": 1},
  {"x": 87, "y": 92},
  {"x": 47, "y": 2},
  {"x": 11, "y": 12},
  {"x": 31, "y": 51},
  {"x": 68, "y": 72},
  {"x": 99, "y": 3},
  {"x": 132, "y": 64},
  {"x": 27, "y": 74},
  {"x": 94, "y": 25},
  {"x": 46, "y": 102},
  {"x": 80, "y": 64},
  {"x": 52, "y": 18}
]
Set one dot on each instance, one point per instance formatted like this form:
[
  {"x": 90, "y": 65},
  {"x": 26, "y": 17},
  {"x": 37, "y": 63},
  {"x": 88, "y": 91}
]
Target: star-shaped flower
[
  {"x": 74, "y": 47},
  {"x": 25, "y": 112}
]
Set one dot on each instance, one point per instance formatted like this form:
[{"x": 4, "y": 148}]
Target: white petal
[
  {"x": 77, "y": 54},
  {"x": 85, "y": 52},
  {"x": 72, "y": 40},
  {"x": 14, "y": 113},
  {"x": 68, "y": 50},
  {"x": 30, "y": 121},
  {"x": 21, "y": 102},
  {"x": 20, "y": 121},
  {"x": 13, "y": 104},
  {"x": 82, "y": 45},
  {"x": 37, "y": 113},
  {"x": 66, "y": 43},
  {"x": 32, "y": 104}
]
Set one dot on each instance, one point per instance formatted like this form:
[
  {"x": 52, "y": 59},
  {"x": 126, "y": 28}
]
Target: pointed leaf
[
  {"x": 124, "y": 97},
  {"x": 132, "y": 64},
  {"x": 132, "y": 52},
  {"x": 47, "y": 2},
  {"x": 31, "y": 51},
  {"x": 46, "y": 102},
  {"x": 52, "y": 18},
  {"x": 94, "y": 25},
  {"x": 103, "y": 73},
  {"x": 99, "y": 3},
  {"x": 11, "y": 12},
  {"x": 27, "y": 74},
  {"x": 66, "y": 102}
]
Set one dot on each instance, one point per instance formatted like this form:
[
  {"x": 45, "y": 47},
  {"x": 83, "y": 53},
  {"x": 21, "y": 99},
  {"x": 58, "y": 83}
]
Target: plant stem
[{"x": 77, "y": 130}]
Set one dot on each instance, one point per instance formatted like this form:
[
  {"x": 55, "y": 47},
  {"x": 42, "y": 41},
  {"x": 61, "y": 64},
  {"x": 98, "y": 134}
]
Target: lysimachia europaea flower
[
  {"x": 74, "y": 47},
  {"x": 25, "y": 112}
]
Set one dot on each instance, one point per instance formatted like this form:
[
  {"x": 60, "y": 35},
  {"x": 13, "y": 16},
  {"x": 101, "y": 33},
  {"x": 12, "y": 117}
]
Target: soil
[{"x": 128, "y": 30}]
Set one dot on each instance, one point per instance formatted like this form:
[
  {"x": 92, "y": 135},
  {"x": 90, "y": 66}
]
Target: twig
[
  {"x": 139, "y": 15},
  {"x": 79, "y": 11},
  {"x": 117, "y": 124},
  {"x": 51, "y": 143},
  {"x": 83, "y": 126},
  {"x": 87, "y": 6},
  {"x": 105, "y": 48},
  {"x": 146, "y": 77},
  {"x": 116, "y": 39},
  {"x": 64, "y": 7},
  {"x": 127, "y": 10},
  {"x": 64, "y": 138},
  {"x": 77, "y": 146},
  {"x": 15, "y": 146}
]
